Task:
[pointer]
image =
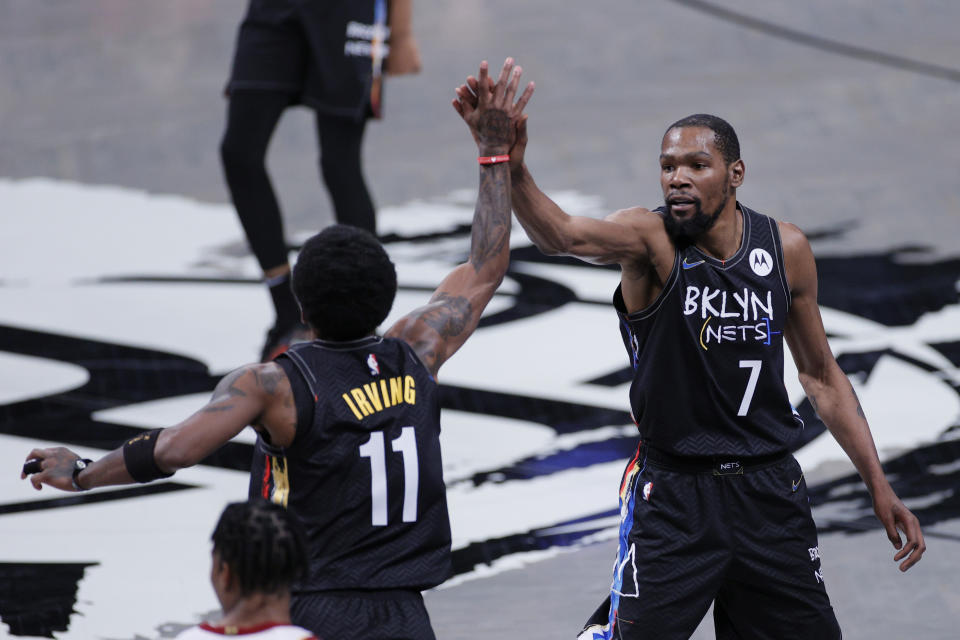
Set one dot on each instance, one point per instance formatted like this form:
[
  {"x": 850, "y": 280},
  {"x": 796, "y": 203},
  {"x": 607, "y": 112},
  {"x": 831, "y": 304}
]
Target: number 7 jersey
[
  {"x": 707, "y": 354},
  {"x": 363, "y": 475}
]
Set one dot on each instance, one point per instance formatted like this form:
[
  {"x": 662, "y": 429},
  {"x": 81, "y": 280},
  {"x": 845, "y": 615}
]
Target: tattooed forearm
[
  {"x": 491, "y": 220},
  {"x": 448, "y": 315},
  {"x": 494, "y": 128}
]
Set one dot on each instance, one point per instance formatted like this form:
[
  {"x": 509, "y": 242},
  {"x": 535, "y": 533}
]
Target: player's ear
[
  {"x": 736, "y": 172},
  {"x": 227, "y": 577}
]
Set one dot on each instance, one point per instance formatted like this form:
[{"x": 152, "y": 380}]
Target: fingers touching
[
  {"x": 525, "y": 96},
  {"x": 482, "y": 90}
]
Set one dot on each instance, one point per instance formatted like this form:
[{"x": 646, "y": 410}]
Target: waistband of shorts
[
  {"x": 364, "y": 594},
  {"x": 717, "y": 465}
]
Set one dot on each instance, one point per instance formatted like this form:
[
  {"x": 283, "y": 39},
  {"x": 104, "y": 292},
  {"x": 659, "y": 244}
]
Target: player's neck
[
  {"x": 723, "y": 239},
  {"x": 257, "y": 609}
]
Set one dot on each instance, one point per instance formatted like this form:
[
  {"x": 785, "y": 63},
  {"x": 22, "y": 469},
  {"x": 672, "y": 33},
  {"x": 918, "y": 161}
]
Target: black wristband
[{"x": 138, "y": 457}]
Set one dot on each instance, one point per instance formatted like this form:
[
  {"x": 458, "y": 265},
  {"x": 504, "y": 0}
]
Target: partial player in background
[
  {"x": 714, "y": 509},
  {"x": 330, "y": 56},
  {"x": 258, "y": 554},
  {"x": 349, "y": 424}
]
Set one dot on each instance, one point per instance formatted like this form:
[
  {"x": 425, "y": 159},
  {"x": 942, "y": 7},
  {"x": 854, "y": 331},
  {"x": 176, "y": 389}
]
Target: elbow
[
  {"x": 548, "y": 249},
  {"x": 486, "y": 289},
  {"x": 812, "y": 384},
  {"x": 555, "y": 245}
]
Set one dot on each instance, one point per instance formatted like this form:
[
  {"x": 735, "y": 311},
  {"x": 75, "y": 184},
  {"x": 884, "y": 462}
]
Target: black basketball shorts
[
  {"x": 374, "y": 615},
  {"x": 301, "y": 49},
  {"x": 736, "y": 533}
]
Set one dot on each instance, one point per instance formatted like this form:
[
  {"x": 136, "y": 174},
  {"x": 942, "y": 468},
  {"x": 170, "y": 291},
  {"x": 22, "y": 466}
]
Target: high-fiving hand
[{"x": 487, "y": 107}]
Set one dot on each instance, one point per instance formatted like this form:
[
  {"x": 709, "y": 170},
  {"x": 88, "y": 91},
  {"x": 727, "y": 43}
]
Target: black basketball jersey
[
  {"x": 364, "y": 476},
  {"x": 707, "y": 354}
]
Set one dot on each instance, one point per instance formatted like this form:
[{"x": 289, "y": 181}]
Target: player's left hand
[
  {"x": 56, "y": 468},
  {"x": 896, "y": 518}
]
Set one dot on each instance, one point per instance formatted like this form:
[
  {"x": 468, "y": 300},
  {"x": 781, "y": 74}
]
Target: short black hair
[
  {"x": 262, "y": 544},
  {"x": 723, "y": 134},
  {"x": 344, "y": 282}
]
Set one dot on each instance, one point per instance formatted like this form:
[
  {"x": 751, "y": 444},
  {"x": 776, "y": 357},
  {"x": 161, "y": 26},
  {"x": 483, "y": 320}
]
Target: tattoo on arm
[
  {"x": 491, "y": 220},
  {"x": 813, "y": 403},
  {"x": 225, "y": 392},
  {"x": 859, "y": 406},
  {"x": 428, "y": 355},
  {"x": 494, "y": 127},
  {"x": 270, "y": 379},
  {"x": 448, "y": 314},
  {"x": 816, "y": 407}
]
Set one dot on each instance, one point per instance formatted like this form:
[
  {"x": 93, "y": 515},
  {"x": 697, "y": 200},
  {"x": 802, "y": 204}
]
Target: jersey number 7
[{"x": 754, "y": 366}]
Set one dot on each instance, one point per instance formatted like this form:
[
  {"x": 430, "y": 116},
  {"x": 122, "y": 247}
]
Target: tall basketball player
[{"x": 714, "y": 508}]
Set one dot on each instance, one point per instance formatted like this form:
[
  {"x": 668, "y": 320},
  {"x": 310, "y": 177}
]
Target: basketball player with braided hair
[
  {"x": 258, "y": 553},
  {"x": 349, "y": 424}
]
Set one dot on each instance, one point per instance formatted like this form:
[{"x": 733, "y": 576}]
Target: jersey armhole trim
[
  {"x": 779, "y": 259},
  {"x": 653, "y": 307},
  {"x": 306, "y": 408}
]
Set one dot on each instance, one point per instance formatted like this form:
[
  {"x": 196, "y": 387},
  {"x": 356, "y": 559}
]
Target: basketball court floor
[{"x": 126, "y": 289}]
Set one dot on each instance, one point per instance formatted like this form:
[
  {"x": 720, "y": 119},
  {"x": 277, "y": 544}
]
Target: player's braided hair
[
  {"x": 723, "y": 134},
  {"x": 262, "y": 545},
  {"x": 345, "y": 282}
]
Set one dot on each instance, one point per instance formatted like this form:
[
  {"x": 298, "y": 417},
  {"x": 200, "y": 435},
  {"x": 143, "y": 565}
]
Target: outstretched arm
[
  {"x": 834, "y": 399},
  {"x": 618, "y": 239},
  {"x": 438, "y": 329},
  {"x": 253, "y": 394}
]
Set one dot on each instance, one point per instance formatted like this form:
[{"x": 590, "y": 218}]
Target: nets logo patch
[{"x": 761, "y": 262}]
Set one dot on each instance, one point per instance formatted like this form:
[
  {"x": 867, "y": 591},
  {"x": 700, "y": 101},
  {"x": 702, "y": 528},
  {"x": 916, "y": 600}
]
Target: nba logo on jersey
[
  {"x": 373, "y": 364},
  {"x": 761, "y": 262},
  {"x": 647, "y": 491}
]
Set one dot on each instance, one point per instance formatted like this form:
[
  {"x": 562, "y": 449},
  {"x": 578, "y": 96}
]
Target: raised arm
[
  {"x": 621, "y": 238},
  {"x": 439, "y": 328},
  {"x": 834, "y": 399},
  {"x": 256, "y": 394}
]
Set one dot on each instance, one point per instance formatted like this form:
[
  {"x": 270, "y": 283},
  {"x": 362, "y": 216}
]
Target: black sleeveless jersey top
[
  {"x": 707, "y": 354},
  {"x": 363, "y": 474}
]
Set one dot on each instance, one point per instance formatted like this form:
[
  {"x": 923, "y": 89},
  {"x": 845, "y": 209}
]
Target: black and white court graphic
[{"x": 131, "y": 328}]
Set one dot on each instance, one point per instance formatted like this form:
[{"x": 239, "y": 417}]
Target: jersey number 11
[{"x": 406, "y": 444}]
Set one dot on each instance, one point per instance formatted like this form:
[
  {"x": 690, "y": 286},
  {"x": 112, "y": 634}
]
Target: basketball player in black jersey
[
  {"x": 713, "y": 507},
  {"x": 348, "y": 424}
]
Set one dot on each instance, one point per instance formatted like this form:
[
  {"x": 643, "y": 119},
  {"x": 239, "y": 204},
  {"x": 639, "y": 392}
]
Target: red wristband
[{"x": 493, "y": 159}]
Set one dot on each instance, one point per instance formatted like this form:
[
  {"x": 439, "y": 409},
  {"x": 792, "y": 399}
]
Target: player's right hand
[
  {"x": 55, "y": 468},
  {"x": 895, "y": 517},
  {"x": 479, "y": 92}
]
